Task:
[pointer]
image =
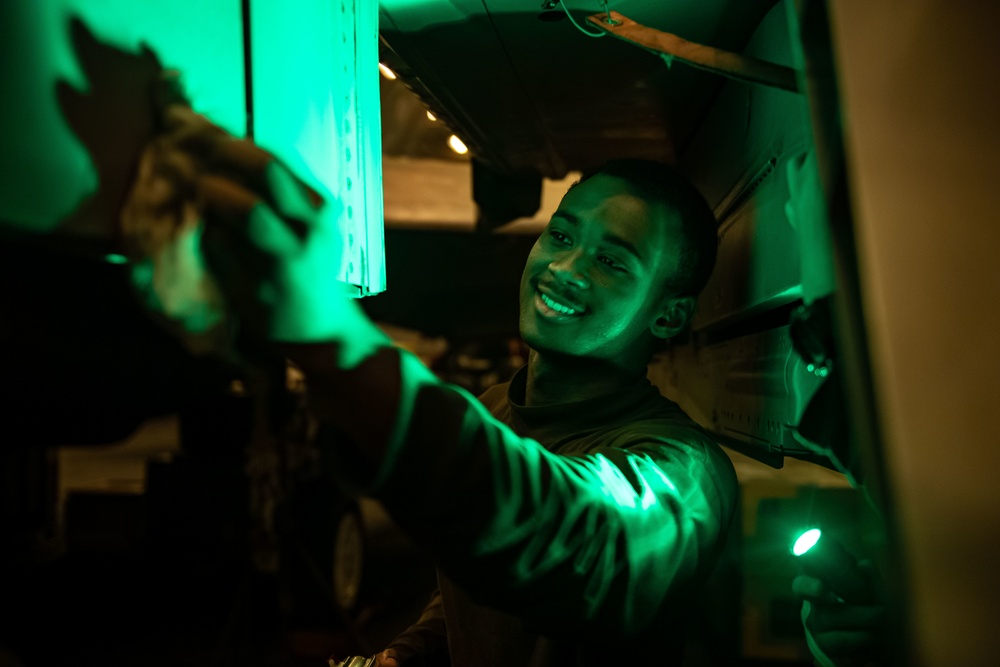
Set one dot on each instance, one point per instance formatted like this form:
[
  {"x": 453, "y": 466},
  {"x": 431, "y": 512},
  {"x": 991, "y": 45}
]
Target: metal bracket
[{"x": 729, "y": 64}]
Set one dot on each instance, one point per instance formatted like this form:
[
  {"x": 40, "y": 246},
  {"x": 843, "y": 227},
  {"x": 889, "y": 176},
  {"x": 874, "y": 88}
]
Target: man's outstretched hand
[{"x": 224, "y": 236}]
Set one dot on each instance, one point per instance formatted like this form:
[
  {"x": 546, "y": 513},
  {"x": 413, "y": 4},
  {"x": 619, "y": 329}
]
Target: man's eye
[
  {"x": 611, "y": 263},
  {"x": 558, "y": 237}
]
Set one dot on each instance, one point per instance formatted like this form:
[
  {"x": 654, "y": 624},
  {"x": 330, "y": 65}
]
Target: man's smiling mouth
[
  {"x": 558, "y": 307},
  {"x": 550, "y": 306}
]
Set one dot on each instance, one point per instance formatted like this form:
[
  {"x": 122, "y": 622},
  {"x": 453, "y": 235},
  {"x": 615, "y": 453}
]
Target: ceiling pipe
[{"x": 729, "y": 64}]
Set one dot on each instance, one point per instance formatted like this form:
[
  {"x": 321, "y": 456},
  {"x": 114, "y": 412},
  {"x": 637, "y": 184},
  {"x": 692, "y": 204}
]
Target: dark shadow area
[
  {"x": 113, "y": 118},
  {"x": 455, "y": 284}
]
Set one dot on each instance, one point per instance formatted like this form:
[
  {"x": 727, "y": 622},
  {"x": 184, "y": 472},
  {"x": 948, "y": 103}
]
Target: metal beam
[{"x": 729, "y": 64}]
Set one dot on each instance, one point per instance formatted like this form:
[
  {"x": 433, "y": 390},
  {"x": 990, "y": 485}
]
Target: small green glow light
[
  {"x": 806, "y": 541},
  {"x": 115, "y": 259}
]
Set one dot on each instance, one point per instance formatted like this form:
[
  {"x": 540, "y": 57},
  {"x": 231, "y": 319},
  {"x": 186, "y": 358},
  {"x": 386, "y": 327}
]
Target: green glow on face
[
  {"x": 316, "y": 106},
  {"x": 806, "y": 541}
]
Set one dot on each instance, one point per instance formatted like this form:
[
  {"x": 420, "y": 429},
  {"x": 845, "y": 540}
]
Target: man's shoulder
[
  {"x": 674, "y": 436},
  {"x": 495, "y": 396},
  {"x": 679, "y": 443},
  {"x": 676, "y": 428},
  {"x": 657, "y": 416}
]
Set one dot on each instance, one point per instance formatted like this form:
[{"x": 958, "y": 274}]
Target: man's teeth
[{"x": 558, "y": 307}]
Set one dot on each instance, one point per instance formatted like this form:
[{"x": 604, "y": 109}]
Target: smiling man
[
  {"x": 612, "y": 505},
  {"x": 617, "y": 269},
  {"x": 572, "y": 512}
]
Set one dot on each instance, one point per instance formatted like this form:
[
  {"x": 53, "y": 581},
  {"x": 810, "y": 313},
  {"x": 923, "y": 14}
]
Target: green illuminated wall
[
  {"x": 44, "y": 170},
  {"x": 753, "y": 158},
  {"x": 315, "y": 102}
]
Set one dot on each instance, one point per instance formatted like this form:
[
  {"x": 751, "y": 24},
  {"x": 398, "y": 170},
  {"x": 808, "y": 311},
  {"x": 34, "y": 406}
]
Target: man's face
[{"x": 593, "y": 282}]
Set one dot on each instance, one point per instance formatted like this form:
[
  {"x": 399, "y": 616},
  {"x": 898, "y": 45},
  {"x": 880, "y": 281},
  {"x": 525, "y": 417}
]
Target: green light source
[
  {"x": 830, "y": 562},
  {"x": 806, "y": 541}
]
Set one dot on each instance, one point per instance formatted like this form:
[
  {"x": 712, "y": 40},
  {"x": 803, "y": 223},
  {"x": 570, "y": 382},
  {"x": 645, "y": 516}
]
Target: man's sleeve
[
  {"x": 604, "y": 541},
  {"x": 426, "y": 638}
]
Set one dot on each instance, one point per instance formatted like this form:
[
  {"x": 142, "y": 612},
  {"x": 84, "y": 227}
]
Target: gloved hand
[
  {"x": 225, "y": 236},
  {"x": 840, "y": 634}
]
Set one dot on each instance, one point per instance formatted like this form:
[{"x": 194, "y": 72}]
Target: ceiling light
[
  {"x": 457, "y": 145},
  {"x": 431, "y": 117},
  {"x": 386, "y": 72}
]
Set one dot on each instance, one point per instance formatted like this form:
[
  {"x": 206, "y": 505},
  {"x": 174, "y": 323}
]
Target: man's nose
[{"x": 570, "y": 268}]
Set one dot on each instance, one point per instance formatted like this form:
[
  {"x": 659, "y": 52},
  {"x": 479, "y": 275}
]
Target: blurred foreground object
[{"x": 67, "y": 165}]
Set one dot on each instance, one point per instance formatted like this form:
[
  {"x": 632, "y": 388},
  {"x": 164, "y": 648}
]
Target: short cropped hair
[{"x": 660, "y": 183}]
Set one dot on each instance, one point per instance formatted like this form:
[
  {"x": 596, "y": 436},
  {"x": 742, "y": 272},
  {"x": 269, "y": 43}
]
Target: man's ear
[{"x": 674, "y": 316}]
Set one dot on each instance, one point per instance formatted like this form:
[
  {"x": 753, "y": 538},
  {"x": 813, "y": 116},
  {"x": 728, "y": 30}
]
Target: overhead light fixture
[
  {"x": 457, "y": 145},
  {"x": 431, "y": 117},
  {"x": 386, "y": 72}
]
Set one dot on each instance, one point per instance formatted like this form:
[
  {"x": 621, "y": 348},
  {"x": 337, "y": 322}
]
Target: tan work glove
[{"x": 225, "y": 237}]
